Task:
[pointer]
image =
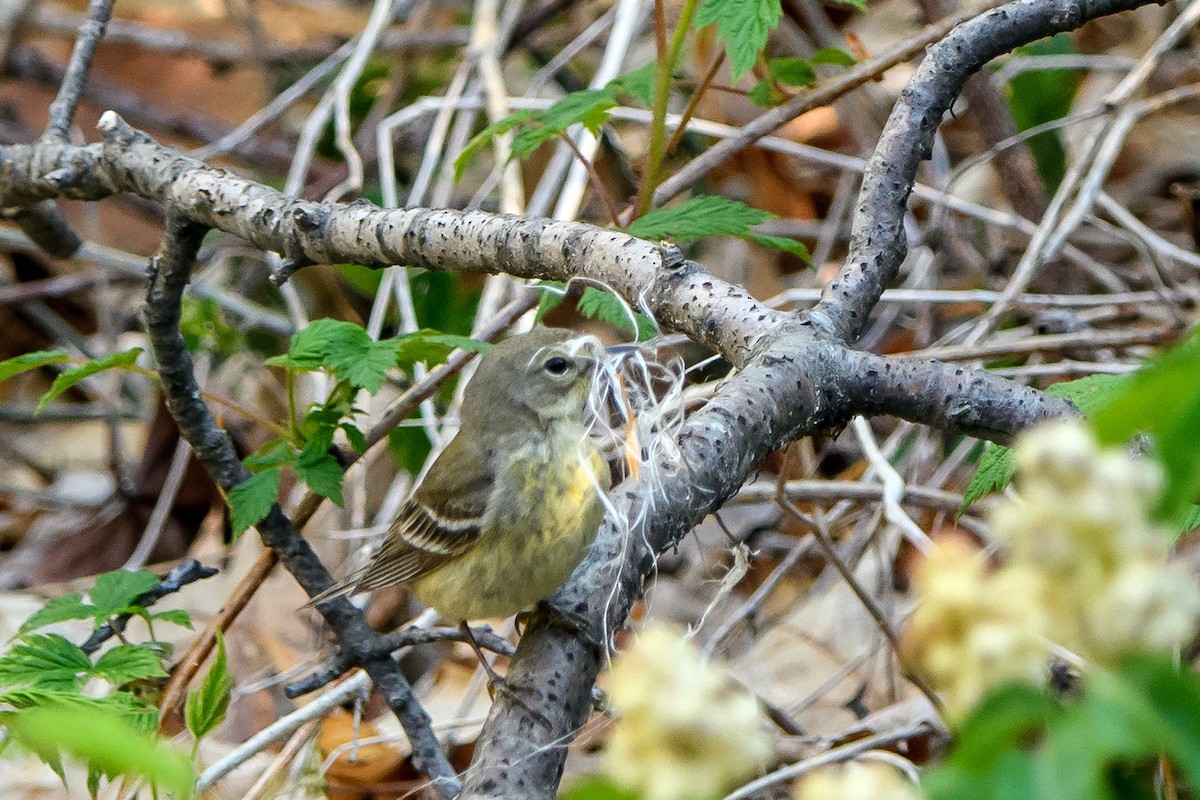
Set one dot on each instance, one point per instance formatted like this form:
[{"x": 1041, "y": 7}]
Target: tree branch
[
  {"x": 878, "y": 243},
  {"x": 169, "y": 273}
]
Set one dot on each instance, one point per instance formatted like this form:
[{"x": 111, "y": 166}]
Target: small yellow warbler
[{"x": 510, "y": 507}]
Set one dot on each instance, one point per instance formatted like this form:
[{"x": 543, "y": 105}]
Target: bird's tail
[{"x": 340, "y": 589}]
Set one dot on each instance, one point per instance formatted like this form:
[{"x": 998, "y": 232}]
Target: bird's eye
[{"x": 556, "y": 365}]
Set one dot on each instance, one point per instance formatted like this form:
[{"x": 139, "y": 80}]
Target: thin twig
[
  {"x": 177, "y": 578},
  {"x": 91, "y": 31}
]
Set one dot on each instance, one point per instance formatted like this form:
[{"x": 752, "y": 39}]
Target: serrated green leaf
[
  {"x": 114, "y": 592},
  {"x": 128, "y": 662},
  {"x": 707, "y": 215},
  {"x": 106, "y": 741},
  {"x": 597, "y": 303},
  {"x": 743, "y": 25},
  {"x": 275, "y": 453},
  {"x": 24, "y": 363},
  {"x": 639, "y": 83},
  {"x": 588, "y": 108},
  {"x": 766, "y": 94},
  {"x": 793, "y": 71},
  {"x": 833, "y": 56},
  {"x": 345, "y": 349},
  {"x": 1090, "y": 393},
  {"x": 793, "y": 246},
  {"x": 173, "y": 616},
  {"x": 484, "y": 138},
  {"x": 73, "y": 376},
  {"x": 206, "y": 705},
  {"x": 996, "y": 467},
  {"x": 710, "y": 215},
  {"x": 354, "y": 436},
  {"x": 320, "y": 471},
  {"x": 57, "y": 609},
  {"x": 44, "y": 661},
  {"x": 368, "y": 368},
  {"x": 251, "y": 500},
  {"x": 430, "y": 346}
]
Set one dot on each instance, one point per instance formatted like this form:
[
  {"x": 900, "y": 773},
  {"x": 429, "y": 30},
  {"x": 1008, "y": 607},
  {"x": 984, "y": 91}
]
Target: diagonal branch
[
  {"x": 169, "y": 273},
  {"x": 878, "y": 243}
]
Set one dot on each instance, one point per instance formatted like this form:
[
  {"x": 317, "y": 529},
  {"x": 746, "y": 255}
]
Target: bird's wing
[{"x": 443, "y": 519}]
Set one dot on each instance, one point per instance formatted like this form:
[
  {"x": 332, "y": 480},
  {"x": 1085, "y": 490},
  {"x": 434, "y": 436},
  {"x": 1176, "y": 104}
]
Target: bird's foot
[{"x": 571, "y": 620}]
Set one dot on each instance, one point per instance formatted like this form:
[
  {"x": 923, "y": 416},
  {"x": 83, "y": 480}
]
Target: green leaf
[
  {"x": 861, "y": 5},
  {"x": 1191, "y": 520},
  {"x": 597, "y": 303},
  {"x": 106, "y": 741},
  {"x": 44, "y": 661},
  {"x": 588, "y": 108},
  {"x": 73, "y": 376},
  {"x": 793, "y": 246},
  {"x": 251, "y": 500},
  {"x": 320, "y": 471},
  {"x": 709, "y": 215},
  {"x": 1166, "y": 704},
  {"x": 409, "y": 446},
  {"x": 128, "y": 662},
  {"x": 206, "y": 705},
  {"x": 833, "y": 56},
  {"x": 57, "y": 609},
  {"x": 766, "y": 94},
  {"x": 1039, "y": 96},
  {"x": 793, "y": 71},
  {"x": 1162, "y": 399},
  {"x": 639, "y": 83},
  {"x": 595, "y": 787},
  {"x": 203, "y": 325},
  {"x": 1089, "y": 394},
  {"x": 430, "y": 346},
  {"x": 114, "y": 592},
  {"x": 274, "y": 453},
  {"x": 345, "y": 349},
  {"x": 28, "y": 361},
  {"x": 484, "y": 138},
  {"x": 996, "y": 467},
  {"x": 354, "y": 436},
  {"x": 706, "y": 215},
  {"x": 174, "y": 616},
  {"x": 743, "y": 25}
]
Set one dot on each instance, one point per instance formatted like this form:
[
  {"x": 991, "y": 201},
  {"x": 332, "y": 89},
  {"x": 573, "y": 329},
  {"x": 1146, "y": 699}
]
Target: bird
[{"x": 509, "y": 509}]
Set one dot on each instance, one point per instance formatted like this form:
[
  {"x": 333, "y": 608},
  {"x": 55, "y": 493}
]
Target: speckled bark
[
  {"x": 359, "y": 643},
  {"x": 795, "y": 375},
  {"x": 877, "y": 241}
]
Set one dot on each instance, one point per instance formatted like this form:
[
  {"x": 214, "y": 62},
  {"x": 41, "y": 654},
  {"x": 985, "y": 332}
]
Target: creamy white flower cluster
[
  {"x": 1085, "y": 569},
  {"x": 684, "y": 730},
  {"x": 857, "y": 781}
]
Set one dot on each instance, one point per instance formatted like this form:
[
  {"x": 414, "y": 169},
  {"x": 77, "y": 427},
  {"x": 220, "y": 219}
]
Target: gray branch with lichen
[{"x": 795, "y": 374}]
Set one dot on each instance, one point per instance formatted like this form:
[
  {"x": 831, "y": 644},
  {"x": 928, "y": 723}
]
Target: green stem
[
  {"x": 293, "y": 433},
  {"x": 662, "y": 96}
]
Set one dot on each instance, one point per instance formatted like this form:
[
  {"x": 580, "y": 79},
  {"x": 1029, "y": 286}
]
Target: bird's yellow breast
[{"x": 537, "y": 532}]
